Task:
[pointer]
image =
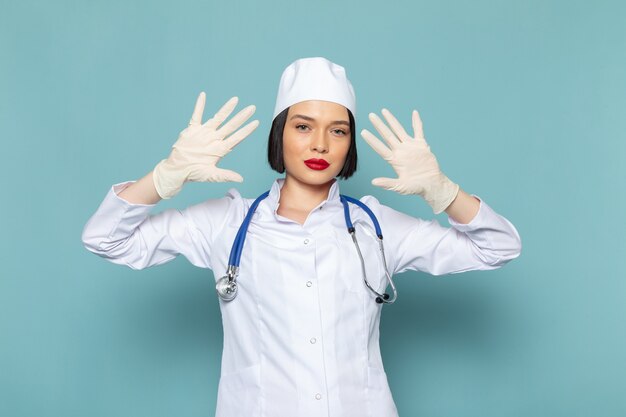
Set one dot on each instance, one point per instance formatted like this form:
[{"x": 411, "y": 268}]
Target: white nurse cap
[{"x": 314, "y": 79}]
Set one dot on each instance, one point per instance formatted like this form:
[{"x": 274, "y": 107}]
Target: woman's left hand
[{"x": 411, "y": 158}]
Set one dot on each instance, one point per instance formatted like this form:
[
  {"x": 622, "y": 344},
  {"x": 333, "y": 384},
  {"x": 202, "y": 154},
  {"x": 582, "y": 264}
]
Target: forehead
[{"x": 319, "y": 109}]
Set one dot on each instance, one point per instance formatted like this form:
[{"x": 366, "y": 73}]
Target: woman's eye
[{"x": 341, "y": 131}]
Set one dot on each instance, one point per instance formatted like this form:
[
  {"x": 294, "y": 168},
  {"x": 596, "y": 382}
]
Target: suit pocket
[
  {"x": 381, "y": 400},
  {"x": 239, "y": 393}
]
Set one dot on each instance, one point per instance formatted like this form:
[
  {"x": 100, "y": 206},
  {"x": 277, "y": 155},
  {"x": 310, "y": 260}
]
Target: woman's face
[{"x": 316, "y": 129}]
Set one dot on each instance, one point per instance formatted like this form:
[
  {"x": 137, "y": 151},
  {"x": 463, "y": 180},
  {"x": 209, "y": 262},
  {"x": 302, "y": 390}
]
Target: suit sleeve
[
  {"x": 487, "y": 242},
  {"x": 125, "y": 233}
]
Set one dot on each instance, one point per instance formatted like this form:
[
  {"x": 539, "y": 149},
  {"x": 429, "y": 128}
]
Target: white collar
[{"x": 273, "y": 198}]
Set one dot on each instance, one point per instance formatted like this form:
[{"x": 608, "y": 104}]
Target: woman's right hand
[{"x": 200, "y": 146}]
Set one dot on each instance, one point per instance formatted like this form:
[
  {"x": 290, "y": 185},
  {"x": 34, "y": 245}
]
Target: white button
[
  {"x": 306, "y": 241},
  {"x": 318, "y": 396},
  {"x": 313, "y": 340},
  {"x": 309, "y": 283}
]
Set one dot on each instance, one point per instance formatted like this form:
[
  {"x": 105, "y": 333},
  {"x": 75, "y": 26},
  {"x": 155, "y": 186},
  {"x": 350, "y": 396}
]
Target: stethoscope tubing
[{"x": 226, "y": 286}]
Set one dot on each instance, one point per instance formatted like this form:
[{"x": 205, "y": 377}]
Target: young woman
[{"x": 301, "y": 308}]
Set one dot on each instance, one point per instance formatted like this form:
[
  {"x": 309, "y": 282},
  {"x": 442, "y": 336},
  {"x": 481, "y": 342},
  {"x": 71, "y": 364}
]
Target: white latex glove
[
  {"x": 411, "y": 158},
  {"x": 200, "y": 146}
]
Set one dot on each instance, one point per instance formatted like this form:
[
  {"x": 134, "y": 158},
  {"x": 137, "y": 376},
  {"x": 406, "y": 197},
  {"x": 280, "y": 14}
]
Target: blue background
[{"x": 523, "y": 104}]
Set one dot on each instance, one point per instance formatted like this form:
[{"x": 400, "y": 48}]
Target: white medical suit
[{"x": 301, "y": 339}]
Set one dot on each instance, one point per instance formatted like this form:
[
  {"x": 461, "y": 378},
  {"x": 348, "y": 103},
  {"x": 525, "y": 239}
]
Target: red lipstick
[{"x": 317, "y": 164}]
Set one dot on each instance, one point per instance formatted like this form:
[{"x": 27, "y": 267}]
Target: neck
[{"x": 299, "y": 195}]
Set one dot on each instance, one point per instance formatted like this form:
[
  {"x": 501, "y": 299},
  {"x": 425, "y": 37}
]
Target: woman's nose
[{"x": 320, "y": 142}]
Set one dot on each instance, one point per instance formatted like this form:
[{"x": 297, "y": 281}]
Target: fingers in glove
[
  {"x": 376, "y": 144},
  {"x": 224, "y": 175},
  {"x": 418, "y": 128},
  {"x": 396, "y": 126},
  {"x": 196, "y": 118},
  {"x": 222, "y": 113},
  {"x": 241, "y": 134},
  {"x": 382, "y": 128},
  {"x": 386, "y": 183},
  {"x": 237, "y": 120}
]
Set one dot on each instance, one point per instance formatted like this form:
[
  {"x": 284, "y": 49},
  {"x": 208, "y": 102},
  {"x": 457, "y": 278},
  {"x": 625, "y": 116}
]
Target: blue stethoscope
[{"x": 226, "y": 286}]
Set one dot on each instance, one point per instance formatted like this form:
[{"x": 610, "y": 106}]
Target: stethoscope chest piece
[{"x": 226, "y": 289}]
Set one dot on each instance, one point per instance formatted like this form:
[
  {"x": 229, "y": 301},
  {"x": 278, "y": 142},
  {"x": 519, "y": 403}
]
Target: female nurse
[{"x": 301, "y": 338}]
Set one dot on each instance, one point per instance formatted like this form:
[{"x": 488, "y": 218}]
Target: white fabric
[
  {"x": 314, "y": 78},
  {"x": 302, "y": 336}
]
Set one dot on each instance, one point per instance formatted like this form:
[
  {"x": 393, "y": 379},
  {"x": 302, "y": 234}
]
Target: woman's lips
[{"x": 317, "y": 164}]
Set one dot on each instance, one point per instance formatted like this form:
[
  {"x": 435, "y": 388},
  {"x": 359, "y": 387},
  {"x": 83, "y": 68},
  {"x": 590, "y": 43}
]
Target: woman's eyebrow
[{"x": 310, "y": 119}]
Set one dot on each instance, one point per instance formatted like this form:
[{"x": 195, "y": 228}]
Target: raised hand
[
  {"x": 410, "y": 156},
  {"x": 200, "y": 147}
]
